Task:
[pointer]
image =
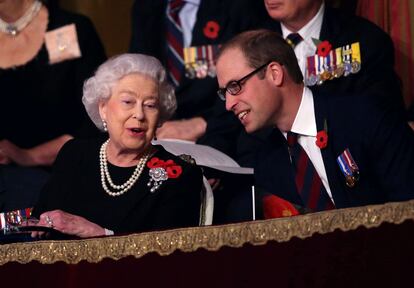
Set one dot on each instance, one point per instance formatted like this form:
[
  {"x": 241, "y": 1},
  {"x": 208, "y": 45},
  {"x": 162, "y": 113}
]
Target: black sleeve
[
  {"x": 56, "y": 189},
  {"x": 180, "y": 204}
]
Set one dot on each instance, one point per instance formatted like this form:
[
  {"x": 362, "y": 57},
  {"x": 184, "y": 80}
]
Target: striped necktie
[
  {"x": 175, "y": 43},
  {"x": 308, "y": 183},
  {"x": 294, "y": 39}
]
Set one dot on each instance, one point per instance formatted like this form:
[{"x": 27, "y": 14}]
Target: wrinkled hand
[
  {"x": 69, "y": 224},
  {"x": 189, "y": 129},
  {"x": 9, "y": 152}
]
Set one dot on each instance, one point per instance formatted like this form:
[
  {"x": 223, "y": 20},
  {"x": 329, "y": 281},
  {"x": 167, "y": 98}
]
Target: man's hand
[
  {"x": 41, "y": 155},
  {"x": 189, "y": 129},
  {"x": 11, "y": 153}
]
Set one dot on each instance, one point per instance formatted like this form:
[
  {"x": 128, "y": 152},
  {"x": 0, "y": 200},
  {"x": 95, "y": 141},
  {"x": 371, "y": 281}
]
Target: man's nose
[{"x": 231, "y": 101}]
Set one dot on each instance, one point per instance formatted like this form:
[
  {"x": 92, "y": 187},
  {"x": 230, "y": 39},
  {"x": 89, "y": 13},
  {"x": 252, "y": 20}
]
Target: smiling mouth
[{"x": 243, "y": 114}]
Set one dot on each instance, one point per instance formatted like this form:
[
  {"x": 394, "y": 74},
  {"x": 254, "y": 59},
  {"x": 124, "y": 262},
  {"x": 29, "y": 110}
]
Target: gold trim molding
[{"x": 211, "y": 238}]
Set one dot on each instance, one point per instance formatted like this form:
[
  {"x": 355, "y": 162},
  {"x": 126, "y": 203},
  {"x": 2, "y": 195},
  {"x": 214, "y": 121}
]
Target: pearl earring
[{"x": 105, "y": 126}]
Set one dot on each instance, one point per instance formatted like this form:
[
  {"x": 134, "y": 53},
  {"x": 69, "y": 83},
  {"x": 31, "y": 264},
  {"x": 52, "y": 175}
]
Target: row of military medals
[
  {"x": 199, "y": 61},
  {"x": 341, "y": 61}
]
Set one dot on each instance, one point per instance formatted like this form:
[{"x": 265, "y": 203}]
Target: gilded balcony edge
[{"x": 211, "y": 238}]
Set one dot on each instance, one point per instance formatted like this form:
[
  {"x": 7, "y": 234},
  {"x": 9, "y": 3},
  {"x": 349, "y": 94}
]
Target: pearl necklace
[
  {"x": 14, "y": 28},
  {"x": 105, "y": 177}
]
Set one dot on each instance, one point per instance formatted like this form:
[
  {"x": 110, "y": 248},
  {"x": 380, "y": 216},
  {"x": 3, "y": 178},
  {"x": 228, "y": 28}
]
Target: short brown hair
[{"x": 262, "y": 46}]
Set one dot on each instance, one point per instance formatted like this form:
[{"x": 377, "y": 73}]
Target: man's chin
[{"x": 250, "y": 129}]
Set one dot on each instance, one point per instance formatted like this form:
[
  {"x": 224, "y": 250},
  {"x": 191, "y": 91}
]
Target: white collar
[
  {"x": 312, "y": 29},
  {"x": 194, "y": 2},
  {"x": 305, "y": 122}
]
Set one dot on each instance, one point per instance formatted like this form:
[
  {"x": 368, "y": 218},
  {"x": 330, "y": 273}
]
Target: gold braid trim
[{"x": 211, "y": 238}]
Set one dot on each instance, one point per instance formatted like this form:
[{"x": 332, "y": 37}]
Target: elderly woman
[{"x": 124, "y": 183}]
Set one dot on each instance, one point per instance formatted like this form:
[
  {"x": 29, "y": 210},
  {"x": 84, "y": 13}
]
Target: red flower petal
[
  {"x": 173, "y": 170},
  {"x": 321, "y": 139},
  {"x": 154, "y": 162},
  {"x": 211, "y": 29},
  {"x": 324, "y": 48}
]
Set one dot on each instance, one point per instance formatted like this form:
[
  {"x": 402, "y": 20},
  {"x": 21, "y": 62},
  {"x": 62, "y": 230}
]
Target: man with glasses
[
  {"x": 302, "y": 22},
  {"x": 333, "y": 151}
]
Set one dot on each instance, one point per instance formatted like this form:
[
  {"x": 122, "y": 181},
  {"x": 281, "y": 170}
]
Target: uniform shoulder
[{"x": 353, "y": 23}]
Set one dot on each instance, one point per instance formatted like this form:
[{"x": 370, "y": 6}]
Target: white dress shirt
[
  {"x": 305, "y": 126},
  {"x": 188, "y": 17},
  {"x": 311, "y": 30}
]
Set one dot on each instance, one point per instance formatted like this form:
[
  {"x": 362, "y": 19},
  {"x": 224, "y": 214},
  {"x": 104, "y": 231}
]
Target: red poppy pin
[
  {"x": 324, "y": 48},
  {"x": 160, "y": 171},
  {"x": 322, "y": 136},
  {"x": 211, "y": 30}
]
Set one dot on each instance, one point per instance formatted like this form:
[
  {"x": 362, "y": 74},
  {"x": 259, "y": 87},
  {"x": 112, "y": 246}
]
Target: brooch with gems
[{"x": 161, "y": 171}]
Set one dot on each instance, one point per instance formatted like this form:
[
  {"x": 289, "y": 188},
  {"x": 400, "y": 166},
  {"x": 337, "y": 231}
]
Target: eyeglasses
[{"x": 235, "y": 86}]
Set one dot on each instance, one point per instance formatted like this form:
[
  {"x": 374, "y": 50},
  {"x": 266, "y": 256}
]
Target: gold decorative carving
[{"x": 211, "y": 238}]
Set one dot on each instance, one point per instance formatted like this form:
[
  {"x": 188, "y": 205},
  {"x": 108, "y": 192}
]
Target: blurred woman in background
[{"x": 45, "y": 56}]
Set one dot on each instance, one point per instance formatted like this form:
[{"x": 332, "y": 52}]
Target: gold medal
[
  {"x": 325, "y": 75},
  {"x": 189, "y": 71},
  {"x": 350, "y": 181},
  {"x": 201, "y": 70},
  {"x": 339, "y": 71},
  {"x": 355, "y": 67}
]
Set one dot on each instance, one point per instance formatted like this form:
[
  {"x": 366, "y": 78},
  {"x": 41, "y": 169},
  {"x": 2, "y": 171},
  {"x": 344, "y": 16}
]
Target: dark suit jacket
[
  {"x": 195, "y": 97},
  {"x": 379, "y": 140}
]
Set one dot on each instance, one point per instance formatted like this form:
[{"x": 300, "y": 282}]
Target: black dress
[{"x": 75, "y": 187}]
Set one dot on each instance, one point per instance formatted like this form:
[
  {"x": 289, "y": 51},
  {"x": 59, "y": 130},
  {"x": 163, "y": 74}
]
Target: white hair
[{"x": 99, "y": 87}]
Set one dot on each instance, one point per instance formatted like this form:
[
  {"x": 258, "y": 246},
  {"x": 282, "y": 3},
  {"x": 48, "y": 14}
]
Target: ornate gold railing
[{"x": 211, "y": 238}]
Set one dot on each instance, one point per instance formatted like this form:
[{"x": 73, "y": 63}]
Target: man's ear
[
  {"x": 276, "y": 73},
  {"x": 102, "y": 110}
]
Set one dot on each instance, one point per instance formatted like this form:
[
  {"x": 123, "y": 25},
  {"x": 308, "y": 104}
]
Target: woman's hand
[{"x": 69, "y": 224}]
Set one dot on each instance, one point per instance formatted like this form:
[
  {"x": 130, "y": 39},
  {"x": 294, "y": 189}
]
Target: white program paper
[{"x": 204, "y": 155}]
